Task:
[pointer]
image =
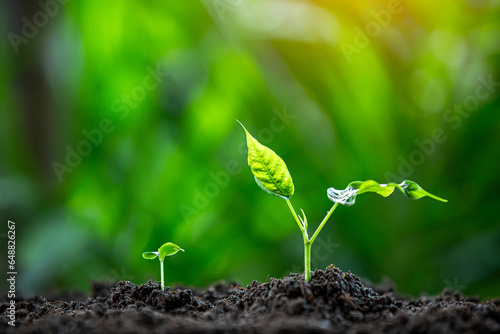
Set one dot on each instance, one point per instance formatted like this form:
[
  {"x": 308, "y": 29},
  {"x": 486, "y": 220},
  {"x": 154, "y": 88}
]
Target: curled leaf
[
  {"x": 345, "y": 197},
  {"x": 269, "y": 170},
  {"x": 414, "y": 191},
  {"x": 348, "y": 195}
]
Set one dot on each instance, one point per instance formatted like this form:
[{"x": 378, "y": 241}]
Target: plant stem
[
  {"x": 323, "y": 222},
  {"x": 162, "y": 277},
  {"x": 308, "y": 242},
  {"x": 302, "y": 227},
  {"x": 307, "y": 261}
]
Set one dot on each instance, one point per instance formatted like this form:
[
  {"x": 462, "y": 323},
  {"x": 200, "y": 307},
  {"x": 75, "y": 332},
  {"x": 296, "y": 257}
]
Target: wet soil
[{"x": 333, "y": 302}]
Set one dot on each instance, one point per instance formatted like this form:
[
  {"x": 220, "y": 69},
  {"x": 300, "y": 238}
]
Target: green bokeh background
[{"x": 350, "y": 117}]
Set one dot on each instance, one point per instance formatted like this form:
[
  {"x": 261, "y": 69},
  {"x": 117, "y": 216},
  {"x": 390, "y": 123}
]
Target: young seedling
[
  {"x": 272, "y": 176},
  {"x": 167, "y": 249}
]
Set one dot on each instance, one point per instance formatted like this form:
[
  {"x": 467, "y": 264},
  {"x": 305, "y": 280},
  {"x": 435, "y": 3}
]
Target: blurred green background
[{"x": 118, "y": 134}]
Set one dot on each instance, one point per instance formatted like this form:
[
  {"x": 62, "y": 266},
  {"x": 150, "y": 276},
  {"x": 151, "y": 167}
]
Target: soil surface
[{"x": 333, "y": 302}]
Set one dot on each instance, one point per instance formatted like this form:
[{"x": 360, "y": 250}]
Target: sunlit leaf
[
  {"x": 270, "y": 171},
  {"x": 169, "y": 249},
  {"x": 348, "y": 195},
  {"x": 372, "y": 186}
]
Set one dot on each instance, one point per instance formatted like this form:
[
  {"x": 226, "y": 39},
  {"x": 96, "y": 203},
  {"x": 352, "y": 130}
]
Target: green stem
[
  {"x": 162, "y": 277},
  {"x": 302, "y": 228},
  {"x": 308, "y": 242},
  {"x": 323, "y": 222},
  {"x": 307, "y": 261}
]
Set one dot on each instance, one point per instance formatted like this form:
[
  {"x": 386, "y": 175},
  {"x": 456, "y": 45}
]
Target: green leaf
[
  {"x": 270, "y": 171},
  {"x": 414, "y": 191},
  {"x": 150, "y": 255},
  {"x": 372, "y": 186},
  {"x": 168, "y": 249},
  {"x": 348, "y": 195}
]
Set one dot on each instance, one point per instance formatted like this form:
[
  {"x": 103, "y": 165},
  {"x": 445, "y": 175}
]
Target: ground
[{"x": 333, "y": 302}]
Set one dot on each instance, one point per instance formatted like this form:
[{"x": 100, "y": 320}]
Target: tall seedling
[{"x": 272, "y": 176}]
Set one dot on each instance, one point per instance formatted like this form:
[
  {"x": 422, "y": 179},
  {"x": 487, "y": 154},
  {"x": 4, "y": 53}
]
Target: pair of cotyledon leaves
[
  {"x": 167, "y": 249},
  {"x": 272, "y": 176}
]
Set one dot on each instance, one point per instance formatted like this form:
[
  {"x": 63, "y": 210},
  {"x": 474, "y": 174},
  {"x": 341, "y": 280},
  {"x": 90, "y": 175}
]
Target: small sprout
[
  {"x": 272, "y": 176},
  {"x": 167, "y": 249}
]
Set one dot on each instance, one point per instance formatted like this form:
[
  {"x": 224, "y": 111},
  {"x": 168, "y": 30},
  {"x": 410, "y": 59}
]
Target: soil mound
[{"x": 332, "y": 302}]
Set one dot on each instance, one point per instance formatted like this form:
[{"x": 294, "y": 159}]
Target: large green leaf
[
  {"x": 168, "y": 249},
  {"x": 348, "y": 195},
  {"x": 269, "y": 170}
]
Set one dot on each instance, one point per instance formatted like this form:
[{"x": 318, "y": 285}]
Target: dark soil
[{"x": 333, "y": 302}]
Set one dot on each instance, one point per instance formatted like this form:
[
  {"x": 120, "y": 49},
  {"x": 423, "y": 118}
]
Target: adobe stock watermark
[
  {"x": 121, "y": 107},
  {"x": 455, "y": 285},
  {"x": 372, "y": 29},
  {"x": 221, "y": 179},
  {"x": 121, "y": 276},
  {"x": 222, "y": 7},
  {"x": 244, "y": 326},
  {"x": 10, "y": 311},
  {"x": 322, "y": 250},
  {"x": 31, "y": 26},
  {"x": 453, "y": 116},
  {"x": 72, "y": 327}
]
